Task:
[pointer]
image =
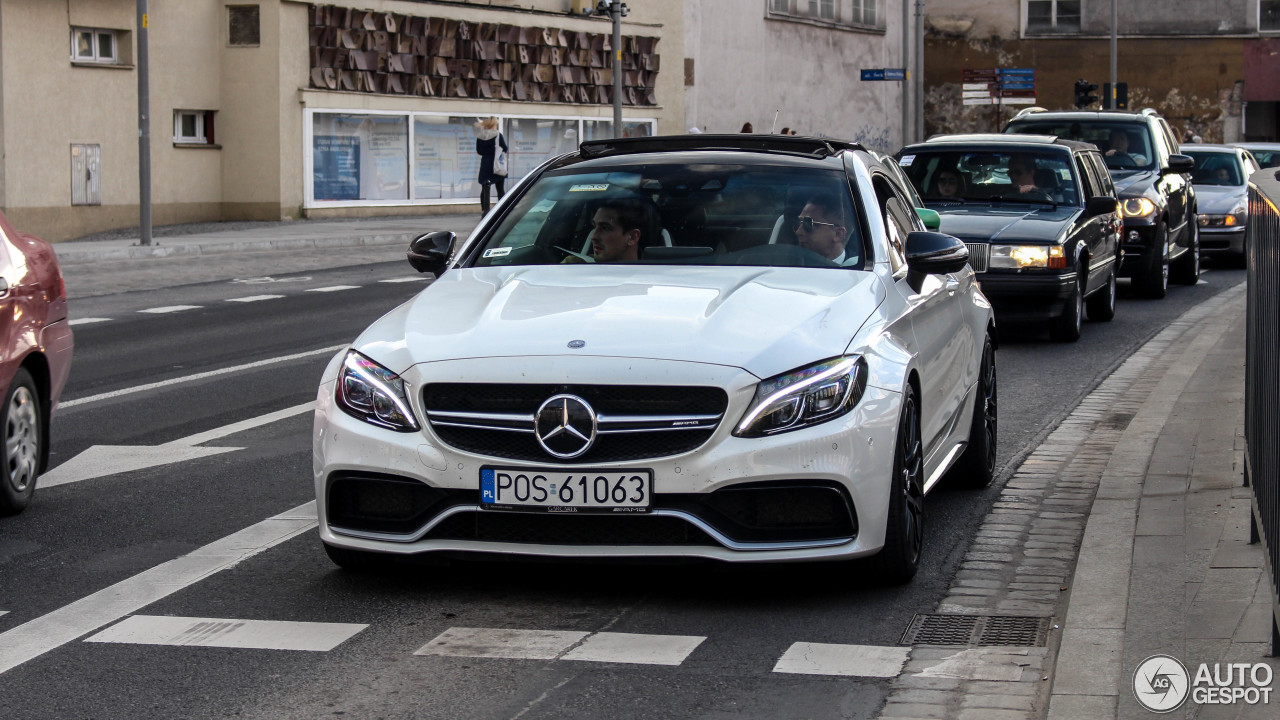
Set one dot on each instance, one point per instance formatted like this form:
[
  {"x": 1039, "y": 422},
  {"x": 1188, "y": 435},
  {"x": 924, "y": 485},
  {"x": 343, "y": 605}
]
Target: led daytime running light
[
  {"x": 793, "y": 394},
  {"x": 366, "y": 371}
]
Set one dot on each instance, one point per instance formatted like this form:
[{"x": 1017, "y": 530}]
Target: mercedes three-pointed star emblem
[{"x": 565, "y": 426}]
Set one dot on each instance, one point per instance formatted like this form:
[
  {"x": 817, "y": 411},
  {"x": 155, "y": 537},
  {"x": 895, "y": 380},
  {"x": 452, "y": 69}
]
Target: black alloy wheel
[
  {"x": 899, "y": 559},
  {"x": 1186, "y": 270},
  {"x": 1154, "y": 283},
  {"x": 23, "y": 443},
  {"x": 1102, "y": 303},
  {"x": 976, "y": 468},
  {"x": 1066, "y": 327}
]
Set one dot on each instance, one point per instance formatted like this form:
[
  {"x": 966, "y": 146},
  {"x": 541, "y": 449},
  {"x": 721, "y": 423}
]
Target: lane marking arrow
[{"x": 102, "y": 460}]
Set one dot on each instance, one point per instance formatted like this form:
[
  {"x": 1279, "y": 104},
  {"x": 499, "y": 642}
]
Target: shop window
[
  {"x": 193, "y": 127},
  {"x": 360, "y": 157},
  {"x": 95, "y": 45},
  {"x": 243, "y": 26}
]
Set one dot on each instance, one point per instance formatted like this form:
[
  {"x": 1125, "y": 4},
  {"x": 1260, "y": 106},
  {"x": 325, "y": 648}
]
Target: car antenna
[{"x": 774, "y": 126}]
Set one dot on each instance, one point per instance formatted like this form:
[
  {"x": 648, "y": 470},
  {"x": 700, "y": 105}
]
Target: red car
[{"x": 35, "y": 358}]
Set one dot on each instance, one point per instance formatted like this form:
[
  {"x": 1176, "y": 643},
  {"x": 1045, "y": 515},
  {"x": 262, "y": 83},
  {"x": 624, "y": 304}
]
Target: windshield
[
  {"x": 1216, "y": 168},
  {"x": 686, "y": 214},
  {"x": 1124, "y": 145},
  {"x": 963, "y": 176}
]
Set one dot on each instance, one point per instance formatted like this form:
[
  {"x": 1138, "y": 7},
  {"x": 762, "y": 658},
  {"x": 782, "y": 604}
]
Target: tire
[
  {"x": 23, "y": 443},
  {"x": 1154, "y": 283},
  {"x": 1066, "y": 327},
  {"x": 976, "y": 468},
  {"x": 899, "y": 559},
  {"x": 356, "y": 560},
  {"x": 1186, "y": 269},
  {"x": 1102, "y": 303}
]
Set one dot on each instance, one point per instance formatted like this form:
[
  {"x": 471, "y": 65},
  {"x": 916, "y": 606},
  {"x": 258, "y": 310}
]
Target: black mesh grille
[
  {"x": 387, "y": 503},
  {"x": 569, "y": 529},
  {"x": 605, "y": 399}
]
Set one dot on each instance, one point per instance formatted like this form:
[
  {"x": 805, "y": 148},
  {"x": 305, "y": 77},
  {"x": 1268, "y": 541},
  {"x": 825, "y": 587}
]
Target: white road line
[
  {"x": 170, "y": 309},
  {"x": 241, "y": 426},
  {"x": 848, "y": 660},
  {"x": 4, "y": 612},
  {"x": 87, "y": 321},
  {"x": 52, "y": 630},
  {"x": 254, "y": 298},
  {"x": 216, "y": 632},
  {"x": 334, "y": 288},
  {"x": 634, "y": 648},
  {"x": 402, "y": 279},
  {"x": 198, "y": 376},
  {"x": 502, "y": 643}
]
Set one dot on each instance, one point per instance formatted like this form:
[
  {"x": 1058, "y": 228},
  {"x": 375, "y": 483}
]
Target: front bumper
[
  {"x": 851, "y": 456},
  {"x": 1138, "y": 251},
  {"x": 1028, "y": 295},
  {"x": 1216, "y": 241}
]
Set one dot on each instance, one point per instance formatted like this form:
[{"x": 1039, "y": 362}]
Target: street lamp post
[
  {"x": 144, "y": 129},
  {"x": 616, "y": 10}
]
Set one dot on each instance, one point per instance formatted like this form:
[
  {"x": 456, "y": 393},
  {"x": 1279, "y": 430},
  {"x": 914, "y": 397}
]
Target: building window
[
  {"x": 243, "y": 25},
  {"x": 193, "y": 127},
  {"x": 1269, "y": 15},
  {"x": 860, "y": 14},
  {"x": 95, "y": 45},
  {"x": 424, "y": 158},
  {"x": 1053, "y": 15}
]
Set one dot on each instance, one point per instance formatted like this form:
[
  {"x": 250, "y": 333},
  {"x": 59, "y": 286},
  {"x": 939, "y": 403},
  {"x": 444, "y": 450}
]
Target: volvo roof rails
[
  {"x": 795, "y": 145},
  {"x": 1028, "y": 111}
]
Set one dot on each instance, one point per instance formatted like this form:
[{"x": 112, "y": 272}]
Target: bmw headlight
[
  {"x": 1019, "y": 257},
  {"x": 374, "y": 394},
  {"x": 1138, "y": 207},
  {"x": 805, "y": 397},
  {"x": 1239, "y": 215}
]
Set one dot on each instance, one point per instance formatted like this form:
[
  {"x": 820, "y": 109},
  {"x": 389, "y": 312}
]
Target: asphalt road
[{"x": 81, "y": 538}]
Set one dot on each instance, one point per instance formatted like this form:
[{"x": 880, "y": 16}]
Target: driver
[
  {"x": 821, "y": 227},
  {"x": 1118, "y": 145},
  {"x": 1022, "y": 173},
  {"x": 616, "y": 231}
]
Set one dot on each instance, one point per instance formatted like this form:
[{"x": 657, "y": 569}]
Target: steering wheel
[{"x": 1120, "y": 160}]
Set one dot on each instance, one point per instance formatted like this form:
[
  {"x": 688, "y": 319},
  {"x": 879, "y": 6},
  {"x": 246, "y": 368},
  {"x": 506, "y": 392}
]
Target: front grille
[
  {"x": 550, "y": 529},
  {"x": 371, "y": 502},
  {"x": 635, "y": 422},
  {"x": 979, "y": 256},
  {"x": 797, "y": 511}
]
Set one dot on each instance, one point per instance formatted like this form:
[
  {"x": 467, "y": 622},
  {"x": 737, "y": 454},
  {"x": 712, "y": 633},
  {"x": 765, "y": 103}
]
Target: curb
[{"x": 76, "y": 256}]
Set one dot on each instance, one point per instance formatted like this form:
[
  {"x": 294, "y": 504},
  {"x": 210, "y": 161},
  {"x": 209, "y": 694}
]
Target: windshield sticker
[
  {"x": 497, "y": 252},
  {"x": 597, "y": 187},
  {"x": 907, "y": 160},
  {"x": 543, "y": 206}
]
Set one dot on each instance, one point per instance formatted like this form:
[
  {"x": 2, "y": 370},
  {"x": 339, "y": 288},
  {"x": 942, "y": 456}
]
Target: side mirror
[
  {"x": 430, "y": 252},
  {"x": 1180, "y": 164},
  {"x": 1101, "y": 205},
  {"x": 930, "y": 218},
  {"x": 932, "y": 253}
]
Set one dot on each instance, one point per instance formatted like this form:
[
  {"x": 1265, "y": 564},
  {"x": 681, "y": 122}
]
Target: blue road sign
[
  {"x": 1017, "y": 85},
  {"x": 1016, "y": 71},
  {"x": 895, "y": 73},
  {"x": 873, "y": 74}
]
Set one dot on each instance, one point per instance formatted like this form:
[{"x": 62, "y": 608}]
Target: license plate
[{"x": 535, "y": 489}]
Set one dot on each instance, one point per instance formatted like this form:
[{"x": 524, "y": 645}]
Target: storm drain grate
[{"x": 976, "y": 630}]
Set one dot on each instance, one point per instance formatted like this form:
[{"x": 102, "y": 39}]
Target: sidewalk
[
  {"x": 208, "y": 252},
  {"x": 1125, "y": 533}
]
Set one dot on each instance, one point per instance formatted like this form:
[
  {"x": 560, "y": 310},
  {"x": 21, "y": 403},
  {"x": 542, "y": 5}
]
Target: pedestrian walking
[{"x": 491, "y": 146}]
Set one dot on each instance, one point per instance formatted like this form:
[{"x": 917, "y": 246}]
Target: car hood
[
  {"x": 764, "y": 320},
  {"x": 1025, "y": 223},
  {"x": 1219, "y": 199},
  {"x": 1131, "y": 183}
]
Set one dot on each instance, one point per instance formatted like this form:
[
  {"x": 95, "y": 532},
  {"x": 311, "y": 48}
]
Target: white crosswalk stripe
[
  {"x": 514, "y": 644},
  {"x": 805, "y": 658},
  {"x": 403, "y": 280},
  {"x": 170, "y": 309},
  {"x": 216, "y": 632},
  {"x": 87, "y": 321},
  {"x": 333, "y": 288},
  {"x": 254, "y": 298}
]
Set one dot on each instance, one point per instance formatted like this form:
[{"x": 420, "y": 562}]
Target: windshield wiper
[{"x": 1021, "y": 199}]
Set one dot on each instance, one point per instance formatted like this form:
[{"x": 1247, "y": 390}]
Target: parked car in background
[
  {"x": 742, "y": 348},
  {"x": 1153, "y": 183},
  {"x": 1221, "y": 179},
  {"x": 1267, "y": 154},
  {"x": 34, "y": 360},
  {"x": 1045, "y": 243}
]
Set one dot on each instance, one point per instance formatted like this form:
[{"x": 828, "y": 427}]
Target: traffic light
[{"x": 1084, "y": 93}]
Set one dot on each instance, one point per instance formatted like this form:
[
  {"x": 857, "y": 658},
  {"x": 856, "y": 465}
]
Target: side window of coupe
[{"x": 897, "y": 222}]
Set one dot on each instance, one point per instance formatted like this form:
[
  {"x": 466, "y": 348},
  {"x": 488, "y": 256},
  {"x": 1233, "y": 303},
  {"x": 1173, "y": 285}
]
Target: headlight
[
  {"x": 374, "y": 394},
  {"x": 805, "y": 397},
  {"x": 1138, "y": 207},
  {"x": 1018, "y": 257},
  {"x": 1239, "y": 215}
]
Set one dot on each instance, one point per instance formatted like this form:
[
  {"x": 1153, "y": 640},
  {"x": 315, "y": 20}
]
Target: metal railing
[{"x": 1262, "y": 377}]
